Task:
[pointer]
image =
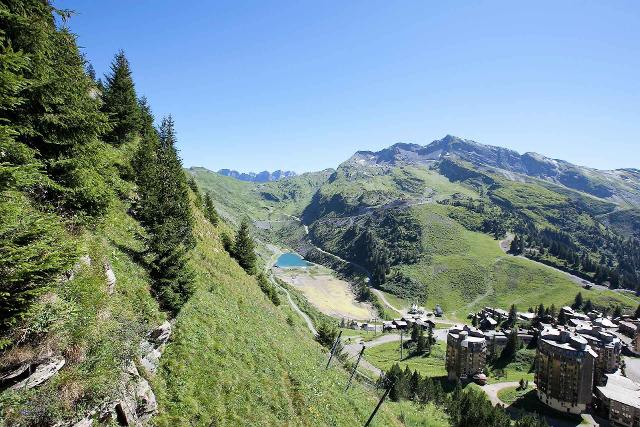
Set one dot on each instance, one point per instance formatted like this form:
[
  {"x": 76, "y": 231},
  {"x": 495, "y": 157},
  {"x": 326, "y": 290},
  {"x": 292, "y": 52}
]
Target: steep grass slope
[
  {"x": 236, "y": 359},
  {"x": 96, "y": 331}
]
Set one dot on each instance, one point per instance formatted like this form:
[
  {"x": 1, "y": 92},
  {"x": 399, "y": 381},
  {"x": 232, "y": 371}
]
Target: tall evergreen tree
[
  {"x": 209, "y": 210},
  {"x": 120, "y": 101},
  {"x": 165, "y": 212},
  {"x": 50, "y": 155},
  {"x": 243, "y": 248}
]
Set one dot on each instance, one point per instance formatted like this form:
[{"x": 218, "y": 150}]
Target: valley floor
[{"x": 332, "y": 296}]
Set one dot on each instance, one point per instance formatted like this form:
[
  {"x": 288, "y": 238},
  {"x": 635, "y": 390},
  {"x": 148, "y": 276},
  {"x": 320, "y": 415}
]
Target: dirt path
[
  {"x": 387, "y": 303},
  {"x": 295, "y": 307}
]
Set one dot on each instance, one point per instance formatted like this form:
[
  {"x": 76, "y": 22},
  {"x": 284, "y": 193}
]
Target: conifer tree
[
  {"x": 243, "y": 248},
  {"x": 196, "y": 191},
  {"x": 165, "y": 212},
  {"x": 617, "y": 312},
  {"x": 588, "y": 306},
  {"x": 637, "y": 313},
  {"x": 209, "y": 210},
  {"x": 577, "y": 303},
  {"x": 562, "y": 318},
  {"x": 50, "y": 155},
  {"x": 120, "y": 101}
]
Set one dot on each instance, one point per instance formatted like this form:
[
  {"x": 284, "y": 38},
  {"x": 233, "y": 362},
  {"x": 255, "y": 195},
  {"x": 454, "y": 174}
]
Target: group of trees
[
  {"x": 421, "y": 343},
  {"x": 465, "y": 407},
  {"x": 65, "y": 144},
  {"x": 56, "y": 172},
  {"x": 618, "y": 263}
]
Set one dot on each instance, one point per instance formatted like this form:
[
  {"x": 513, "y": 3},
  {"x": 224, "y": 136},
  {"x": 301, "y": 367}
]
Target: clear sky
[{"x": 302, "y": 85}]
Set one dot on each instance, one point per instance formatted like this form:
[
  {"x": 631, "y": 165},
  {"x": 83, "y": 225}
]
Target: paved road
[{"x": 492, "y": 391}]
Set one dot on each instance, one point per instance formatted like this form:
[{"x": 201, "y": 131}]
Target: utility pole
[
  {"x": 333, "y": 349},
  {"x": 354, "y": 368},
  {"x": 401, "y": 332},
  {"x": 384, "y": 396}
]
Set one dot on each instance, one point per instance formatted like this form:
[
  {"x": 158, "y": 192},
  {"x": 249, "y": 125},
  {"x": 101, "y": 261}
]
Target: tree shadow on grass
[{"x": 529, "y": 403}]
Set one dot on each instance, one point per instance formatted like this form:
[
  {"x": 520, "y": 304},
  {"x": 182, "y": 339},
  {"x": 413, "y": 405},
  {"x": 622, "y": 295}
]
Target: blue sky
[{"x": 302, "y": 85}]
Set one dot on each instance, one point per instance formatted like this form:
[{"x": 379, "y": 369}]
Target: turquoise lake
[{"x": 289, "y": 260}]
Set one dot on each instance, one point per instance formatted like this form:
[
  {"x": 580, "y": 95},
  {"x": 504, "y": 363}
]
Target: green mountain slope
[
  {"x": 236, "y": 359},
  {"x": 425, "y": 223}
]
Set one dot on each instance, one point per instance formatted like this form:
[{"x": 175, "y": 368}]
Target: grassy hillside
[
  {"x": 95, "y": 331},
  {"x": 235, "y": 358},
  {"x": 463, "y": 270},
  {"x": 438, "y": 254}
]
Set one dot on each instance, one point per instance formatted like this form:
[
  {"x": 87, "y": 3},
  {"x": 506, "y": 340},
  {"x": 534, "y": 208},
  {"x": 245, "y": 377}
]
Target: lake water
[{"x": 289, "y": 260}]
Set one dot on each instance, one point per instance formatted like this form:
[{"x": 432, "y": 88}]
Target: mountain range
[
  {"x": 424, "y": 223},
  {"x": 264, "y": 176}
]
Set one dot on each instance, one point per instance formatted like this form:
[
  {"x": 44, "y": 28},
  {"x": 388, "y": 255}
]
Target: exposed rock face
[
  {"x": 85, "y": 260},
  {"x": 621, "y": 183},
  {"x": 264, "y": 176},
  {"x": 31, "y": 375},
  {"x": 137, "y": 403},
  {"x": 154, "y": 345}
]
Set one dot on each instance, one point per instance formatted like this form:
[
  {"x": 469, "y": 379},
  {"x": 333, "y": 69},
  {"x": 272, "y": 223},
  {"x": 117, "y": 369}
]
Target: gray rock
[
  {"x": 146, "y": 399},
  {"x": 151, "y": 360},
  {"x": 42, "y": 372},
  {"x": 111, "y": 278},
  {"x": 161, "y": 334}
]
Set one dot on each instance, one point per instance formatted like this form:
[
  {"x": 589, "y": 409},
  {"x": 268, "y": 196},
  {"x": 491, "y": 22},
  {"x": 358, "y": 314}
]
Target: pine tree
[
  {"x": 513, "y": 344},
  {"x": 415, "y": 332},
  {"x": 50, "y": 155},
  {"x": 578, "y": 302},
  {"x": 617, "y": 312},
  {"x": 166, "y": 214},
  {"x": 513, "y": 315},
  {"x": 243, "y": 248},
  {"x": 120, "y": 101},
  {"x": 209, "y": 210},
  {"x": 196, "y": 191},
  {"x": 562, "y": 318},
  {"x": 421, "y": 345},
  {"x": 588, "y": 306}
]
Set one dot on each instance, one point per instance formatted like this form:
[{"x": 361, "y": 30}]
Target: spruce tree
[
  {"x": 577, "y": 303},
  {"x": 165, "y": 212},
  {"x": 50, "y": 155},
  {"x": 243, "y": 248},
  {"x": 209, "y": 210},
  {"x": 120, "y": 101}
]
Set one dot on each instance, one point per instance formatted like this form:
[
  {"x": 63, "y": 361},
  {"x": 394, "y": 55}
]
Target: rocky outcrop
[
  {"x": 32, "y": 374},
  {"x": 264, "y": 176},
  {"x": 136, "y": 403},
  {"x": 153, "y": 346},
  {"x": 84, "y": 261}
]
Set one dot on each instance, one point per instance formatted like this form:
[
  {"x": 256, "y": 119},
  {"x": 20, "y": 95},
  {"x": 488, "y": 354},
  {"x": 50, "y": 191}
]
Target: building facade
[
  {"x": 466, "y": 353},
  {"x": 565, "y": 365},
  {"x": 608, "y": 347},
  {"x": 620, "y": 400}
]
